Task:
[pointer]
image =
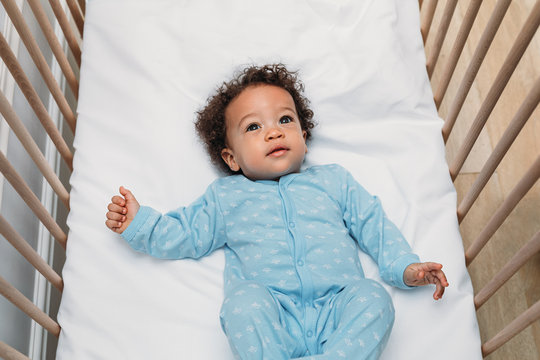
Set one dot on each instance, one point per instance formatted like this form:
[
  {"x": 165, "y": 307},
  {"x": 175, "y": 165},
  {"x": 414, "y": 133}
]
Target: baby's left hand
[{"x": 419, "y": 274}]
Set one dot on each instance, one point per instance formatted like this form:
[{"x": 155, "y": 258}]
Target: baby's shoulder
[
  {"x": 327, "y": 170},
  {"x": 226, "y": 185}
]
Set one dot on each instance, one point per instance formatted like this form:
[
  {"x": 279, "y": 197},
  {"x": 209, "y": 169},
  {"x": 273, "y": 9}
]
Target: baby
[{"x": 294, "y": 286}]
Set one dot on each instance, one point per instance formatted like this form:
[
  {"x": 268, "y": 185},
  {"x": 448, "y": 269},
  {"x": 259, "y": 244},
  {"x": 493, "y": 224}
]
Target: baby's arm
[
  {"x": 419, "y": 274},
  {"x": 122, "y": 210}
]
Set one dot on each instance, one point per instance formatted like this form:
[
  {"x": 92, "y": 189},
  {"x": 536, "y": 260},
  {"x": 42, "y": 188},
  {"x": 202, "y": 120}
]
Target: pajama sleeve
[
  {"x": 187, "y": 232},
  {"x": 375, "y": 233}
]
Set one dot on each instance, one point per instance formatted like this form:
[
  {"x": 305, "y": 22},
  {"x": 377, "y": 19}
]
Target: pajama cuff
[
  {"x": 399, "y": 266},
  {"x": 140, "y": 218}
]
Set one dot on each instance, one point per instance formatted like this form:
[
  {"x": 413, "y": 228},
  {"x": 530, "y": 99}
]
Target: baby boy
[{"x": 294, "y": 285}]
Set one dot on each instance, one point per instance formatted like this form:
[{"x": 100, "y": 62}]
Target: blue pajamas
[
  {"x": 291, "y": 246},
  {"x": 354, "y": 324}
]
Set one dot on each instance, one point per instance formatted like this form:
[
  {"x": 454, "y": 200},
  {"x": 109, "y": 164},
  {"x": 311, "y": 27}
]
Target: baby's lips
[{"x": 277, "y": 149}]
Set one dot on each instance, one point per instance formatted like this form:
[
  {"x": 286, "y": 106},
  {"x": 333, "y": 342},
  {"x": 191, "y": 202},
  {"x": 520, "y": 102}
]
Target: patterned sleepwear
[{"x": 294, "y": 286}]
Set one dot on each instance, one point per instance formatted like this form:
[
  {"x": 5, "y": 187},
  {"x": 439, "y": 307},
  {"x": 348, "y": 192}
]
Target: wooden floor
[{"x": 523, "y": 289}]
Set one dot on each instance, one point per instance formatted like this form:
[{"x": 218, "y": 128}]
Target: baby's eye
[
  {"x": 285, "y": 120},
  {"x": 252, "y": 127}
]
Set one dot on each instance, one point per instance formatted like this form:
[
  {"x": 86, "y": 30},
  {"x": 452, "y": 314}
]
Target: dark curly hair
[{"x": 210, "y": 123}]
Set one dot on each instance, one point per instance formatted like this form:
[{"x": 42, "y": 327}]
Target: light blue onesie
[{"x": 294, "y": 286}]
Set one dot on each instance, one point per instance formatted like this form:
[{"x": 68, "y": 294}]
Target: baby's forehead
[{"x": 261, "y": 95}]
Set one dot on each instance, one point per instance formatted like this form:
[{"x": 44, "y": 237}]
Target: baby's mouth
[{"x": 277, "y": 151}]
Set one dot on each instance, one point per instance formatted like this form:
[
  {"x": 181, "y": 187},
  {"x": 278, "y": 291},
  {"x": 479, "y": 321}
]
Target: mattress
[{"x": 149, "y": 65}]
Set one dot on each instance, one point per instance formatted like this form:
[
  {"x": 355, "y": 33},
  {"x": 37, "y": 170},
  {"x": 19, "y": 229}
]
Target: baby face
[{"x": 264, "y": 136}]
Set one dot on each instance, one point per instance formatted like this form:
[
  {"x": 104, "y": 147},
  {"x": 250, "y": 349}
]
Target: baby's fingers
[
  {"x": 439, "y": 290},
  {"x": 117, "y": 208},
  {"x": 111, "y": 215},
  {"x": 118, "y": 200},
  {"x": 439, "y": 274},
  {"x": 113, "y": 225}
]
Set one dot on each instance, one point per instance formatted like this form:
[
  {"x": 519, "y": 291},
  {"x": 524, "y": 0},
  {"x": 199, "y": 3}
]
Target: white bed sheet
[{"x": 148, "y": 65}]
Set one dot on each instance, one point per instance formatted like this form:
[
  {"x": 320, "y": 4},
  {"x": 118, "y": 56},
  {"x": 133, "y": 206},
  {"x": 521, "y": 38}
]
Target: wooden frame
[{"x": 72, "y": 26}]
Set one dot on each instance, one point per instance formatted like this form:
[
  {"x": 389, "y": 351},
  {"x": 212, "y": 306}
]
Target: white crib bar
[
  {"x": 35, "y": 102},
  {"x": 30, "y": 254},
  {"x": 38, "y": 58},
  {"x": 31, "y": 200},
  {"x": 55, "y": 45},
  {"x": 32, "y": 149},
  {"x": 69, "y": 34},
  {"x": 19, "y": 300}
]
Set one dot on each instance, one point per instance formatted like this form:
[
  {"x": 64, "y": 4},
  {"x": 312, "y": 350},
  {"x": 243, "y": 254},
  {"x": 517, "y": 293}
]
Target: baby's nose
[{"x": 273, "y": 134}]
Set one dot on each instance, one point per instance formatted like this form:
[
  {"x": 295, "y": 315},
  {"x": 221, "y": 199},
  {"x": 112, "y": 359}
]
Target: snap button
[
  {"x": 300, "y": 263},
  {"x": 309, "y": 333},
  {"x": 292, "y": 225}
]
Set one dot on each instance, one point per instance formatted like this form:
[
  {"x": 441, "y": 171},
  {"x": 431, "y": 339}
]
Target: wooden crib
[{"x": 484, "y": 65}]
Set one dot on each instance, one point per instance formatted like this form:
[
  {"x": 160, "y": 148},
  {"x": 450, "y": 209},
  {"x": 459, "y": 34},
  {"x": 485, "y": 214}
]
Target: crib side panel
[
  {"x": 488, "y": 83},
  {"x": 39, "y": 81}
]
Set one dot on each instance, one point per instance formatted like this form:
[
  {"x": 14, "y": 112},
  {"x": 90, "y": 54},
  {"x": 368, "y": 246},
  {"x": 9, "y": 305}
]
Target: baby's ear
[{"x": 228, "y": 156}]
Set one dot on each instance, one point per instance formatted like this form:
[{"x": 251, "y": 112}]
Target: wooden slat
[
  {"x": 440, "y": 36},
  {"x": 55, "y": 45},
  {"x": 19, "y": 300},
  {"x": 30, "y": 254},
  {"x": 459, "y": 44},
  {"x": 474, "y": 65},
  {"x": 38, "y": 58},
  {"x": 82, "y": 4},
  {"x": 32, "y": 149},
  {"x": 76, "y": 14},
  {"x": 31, "y": 200},
  {"x": 427, "y": 19},
  {"x": 515, "y": 327},
  {"x": 35, "y": 102},
  {"x": 524, "y": 185},
  {"x": 510, "y": 268},
  {"x": 516, "y": 52},
  {"x": 70, "y": 36},
  {"x": 9, "y": 353},
  {"x": 507, "y": 139}
]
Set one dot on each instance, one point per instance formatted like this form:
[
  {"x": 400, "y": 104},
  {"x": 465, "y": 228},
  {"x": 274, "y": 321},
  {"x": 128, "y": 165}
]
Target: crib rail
[
  {"x": 71, "y": 24},
  {"x": 524, "y": 114}
]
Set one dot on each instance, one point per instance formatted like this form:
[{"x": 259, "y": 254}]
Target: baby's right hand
[{"x": 122, "y": 210}]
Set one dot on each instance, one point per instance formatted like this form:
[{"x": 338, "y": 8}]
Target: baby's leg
[
  {"x": 359, "y": 323},
  {"x": 250, "y": 319}
]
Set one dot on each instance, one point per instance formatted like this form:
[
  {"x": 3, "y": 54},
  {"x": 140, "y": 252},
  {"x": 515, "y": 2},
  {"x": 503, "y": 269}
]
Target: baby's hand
[
  {"x": 122, "y": 210},
  {"x": 426, "y": 273}
]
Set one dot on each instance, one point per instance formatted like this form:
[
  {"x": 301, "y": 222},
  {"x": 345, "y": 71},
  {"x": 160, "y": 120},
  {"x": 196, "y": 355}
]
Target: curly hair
[{"x": 210, "y": 123}]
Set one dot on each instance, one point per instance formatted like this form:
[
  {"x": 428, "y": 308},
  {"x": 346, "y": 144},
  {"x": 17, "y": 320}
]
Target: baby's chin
[{"x": 271, "y": 175}]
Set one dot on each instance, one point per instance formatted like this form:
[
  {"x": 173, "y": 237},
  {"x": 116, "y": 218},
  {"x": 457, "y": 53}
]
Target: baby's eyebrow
[
  {"x": 289, "y": 109},
  {"x": 247, "y": 116}
]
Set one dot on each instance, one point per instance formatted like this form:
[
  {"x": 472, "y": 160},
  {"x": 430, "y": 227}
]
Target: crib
[{"x": 482, "y": 61}]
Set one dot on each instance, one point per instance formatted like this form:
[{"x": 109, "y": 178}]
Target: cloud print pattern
[{"x": 291, "y": 253}]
